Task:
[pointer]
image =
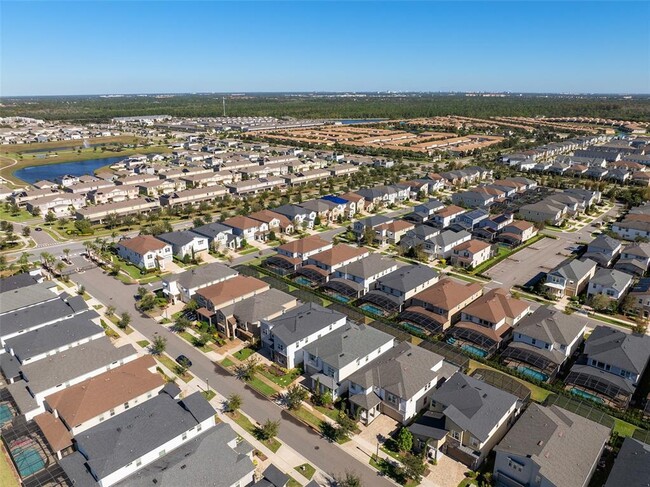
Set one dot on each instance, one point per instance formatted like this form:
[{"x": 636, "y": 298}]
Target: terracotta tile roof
[
  {"x": 521, "y": 225},
  {"x": 496, "y": 305},
  {"x": 352, "y": 197},
  {"x": 303, "y": 245},
  {"x": 230, "y": 289},
  {"x": 56, "y": 434},
  {"x": 142, "y": 244},
  {"x": 339, "y": 253},
  {"x": 484, "y": 330},
  {"x": 101, "y": 393},
  {"x": 448, "y": 294}
]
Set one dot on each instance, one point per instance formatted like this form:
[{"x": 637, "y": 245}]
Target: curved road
[{"x": 327, "y": 456}]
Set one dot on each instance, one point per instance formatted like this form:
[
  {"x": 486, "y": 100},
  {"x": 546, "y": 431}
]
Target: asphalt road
[{"x": 327, "y": 456}]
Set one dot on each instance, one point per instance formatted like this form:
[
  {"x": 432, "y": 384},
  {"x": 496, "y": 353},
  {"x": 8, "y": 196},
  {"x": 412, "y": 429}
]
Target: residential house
[
  {"x": 441, "y": 246},
  {"x": 424, "y": 211},
  {"x": 287, "y": 335},
  {"x": 471, "y": 254},
  {"x": 604, "y": 250},
  {"x": 407, "y": 281},
  {"x": 397, "y": 383},
  {"x": 336, "y": 257},
  {"x": 247, "y": 228},
  {"x": 641, "y": 295},
  {"x": 392, "y": 233},
  {"x": 472, "y": 219},
  {"x": 609, "y": 282},
  {"x": 635, "y": 259},
  {"x": 446, "y": 216},
  {"x": 611, "y": 367},
  {"x": 135, "y": 206},
  {"x": 356, "y": 203},
  {"x": 219, "y": 236},
  {"x": 543, "y": 341},
  {"x": 517, "y": 233},
  {"x": 185, "y": 243},
  {"x": 331, "y": 359},
  {"x": 94, "y": 400},
  {"x": 230, "y": 291},
  {"x": 474, "y": 415},
  {"x": 301, "y": 217},
  {"x": 275, "y": 221},
  {"x": 360, "y": 227},
  {"x": 632, "y": 465},
  {"x": 291, "y": 255},
  {"x": 145, "y": 251},
  {"x": 438, "y": 307},
  {"x": 570, "y": 278},
  {"x": 183, "y": 286},
  {"x": 544, "y": 212},
  {"x": 543, "y": 442},
  {"x": 356, "y": 279},
  {"x": 486, "y": 323},
  {"x": 192, "y": 196}
]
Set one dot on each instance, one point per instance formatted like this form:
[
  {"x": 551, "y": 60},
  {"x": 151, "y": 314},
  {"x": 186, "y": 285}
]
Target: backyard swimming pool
[
  {"x": 587, "y": 395},
  {"x": 474, "y": 350},
  {"x": 532, "y": 373},
  {"x": 339, "y": 297},
  {"x": 28, "y": 459},
  {"x": 372, "y": 309},
  {"x": 302, "y": 281},
  {"x": 411, "y": 327},
  {"x": 5, "y": 414}
]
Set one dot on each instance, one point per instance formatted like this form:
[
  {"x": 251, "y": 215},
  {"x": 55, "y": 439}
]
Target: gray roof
[
  {"x": 182, "y": 237},
  {"x": 551, "y": 326},
  {"x": 625, "y": 350},
  {"x": 632, "y": 465},
  {"x": 473, "y": 405},
  {"x": 141, "y": 429},
  {"x": 375, "y": 220},
  {"x": 403, "y": 370},
  {"x": 9, "y": 366},
  {"x": 315, "y": 205},
  {"x": 26, "y": 296},
  {"x": 303, "y": 321},
  {"x": 21, "y": 396},
  {"x": 46, "y": 312},
  {"x": 564, "y": 445},
  {"x": 600, "y": 376},
  {"x": 74, "y": 466},
  {"x": 424, "y": 232},
  {"x": 429, "y": 425},
  {"x": 604, "y": 242},
  {"x": 611, "y": 278},
  {"x": 408, "y": 277},
  {"x": 259, "y": 307},
  {"x": 212, "y": 230},
  {"x": 274, "y": 475},
  {"x": 291, "y": 211},
  {"x": 17, "y": 281},
  {"x": 347, "y": 344},
  {"x": 575, "y": 269},
  {"x": 368, "y": 266},
  {"x": 449, "y": 237},
  {"x": 203, "y": 275},
  {"x": 54, "y": 336},
  {"x": 641, "y": 249},
  {"x": 74, "y": 362}
]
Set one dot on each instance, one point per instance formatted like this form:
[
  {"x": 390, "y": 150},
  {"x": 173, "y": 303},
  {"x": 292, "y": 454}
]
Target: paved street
[{"x": 328, "y": 457}]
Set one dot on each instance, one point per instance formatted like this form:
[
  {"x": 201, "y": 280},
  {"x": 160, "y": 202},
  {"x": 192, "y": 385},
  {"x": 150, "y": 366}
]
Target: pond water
[{"x": 51, "y": 172}]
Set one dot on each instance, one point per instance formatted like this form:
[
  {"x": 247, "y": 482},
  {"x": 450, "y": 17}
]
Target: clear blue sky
[{"x": 143, "y": 47}]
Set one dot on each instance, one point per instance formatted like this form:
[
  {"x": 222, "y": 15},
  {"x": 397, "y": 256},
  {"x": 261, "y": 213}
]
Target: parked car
[{"x": 184, "y": 361}]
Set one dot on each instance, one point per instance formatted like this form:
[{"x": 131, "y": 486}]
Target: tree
[
  {"x": 50, "y": 217},
  {"x": 628, "y": 306},
  {"x": 349, "y": 479},
  {"x": 201, "y": 340},
  {"x": 272, "y": 236},
  {"x": 23, "y": 262},
  {"x": 83, "y": 226},
  {"x": 124, "y": 321},
  {"x": 158, "y": 345},
  {"x": 247, "y": 370},
  {"x": 142, "y": 291},
  {"x": 182, "y": 323},
  {"x": 600, "y": 302},
  {"x": 345, "y": 425},
  {"x": 414, "y": 466},
  {"x": 66, "y": 252},
  {"x": 640, "y": 327},
  {"x": 233, "y": 403},
  {"x": 26, "y": 231},
  {"x": 267, "y": 430},
  {"x": 147, "y": 302},
  {"x": 182, "y": 365},
  {"x": 110, "y": 310},
  {"x": 198, "y": 222},
  {"x": 294, "y": 397},
  {"x": 405, "y": 440},
  {"x": 191, "y": 305},
  {"x": 82, "y": 290}
]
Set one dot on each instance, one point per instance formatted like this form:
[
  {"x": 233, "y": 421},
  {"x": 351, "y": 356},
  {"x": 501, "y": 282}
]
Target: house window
[
  {"x": 516, "y": 466},
  {"x": 474, "y": 442},
  {"x": 455, "y": 435}
]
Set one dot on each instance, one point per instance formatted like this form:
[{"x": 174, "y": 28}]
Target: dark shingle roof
[
  {"x": 408, "y": 277},
  {"x": 632, "y": 465},
  {"x": 628, "y": 351},
  {"x": 303, "y": 321}
]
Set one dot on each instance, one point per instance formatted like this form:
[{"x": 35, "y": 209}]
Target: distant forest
[{"x": 88, "y": 109}]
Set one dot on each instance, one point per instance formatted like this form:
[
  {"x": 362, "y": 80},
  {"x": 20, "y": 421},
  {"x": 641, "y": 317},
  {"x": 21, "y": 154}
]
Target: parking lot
[{"x": 529, "y": 262}]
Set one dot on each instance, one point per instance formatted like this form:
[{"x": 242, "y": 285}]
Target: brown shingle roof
[
  {"x": 102, "y": 393},
  {"x": 496, "y": 305},
  {"x": 303, "y": 245},
  {"x": 267, "y": 215},
  {"x": 56, "y": 434},
  {"x": 242, "y": 222},
  {"x": 339, "y": 253},
  {"x": 473, "y": 246},
  {"x": 233, "y": 288},
  {"x": 448, "y": 294},
  {"x": 450, "y": 210},
  {"x": 143, "y": 244}
]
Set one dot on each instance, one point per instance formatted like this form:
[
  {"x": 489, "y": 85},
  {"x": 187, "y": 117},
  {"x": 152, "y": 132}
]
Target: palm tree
[
  {"x": 59, "y": 267},
  {"x": 66, "y": 252}
]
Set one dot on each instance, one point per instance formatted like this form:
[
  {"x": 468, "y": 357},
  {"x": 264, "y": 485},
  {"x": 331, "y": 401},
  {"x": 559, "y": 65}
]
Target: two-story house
[
  {"x": 357, "y": 278},
  {"x": 635, "y": 259},
  {"x": 287, "y": 335},
  {"x": 603, "y": 250},
  {"x": 291, "y": 255},
  {"x": 185, "y": 243},
  {"x": 471, "y": 254},
  {"x": 219, "y": 236},
  {"x": 609, "y": 282},
  {"x": 145, "y": 252},
  {"x": 543, "y": 341},
  {"x": 183, "y": 286},
  {"x": 611, "y": 367},
  {"x": 329, "y": 360},
  {"x": 517, "y": 233},
  {"x": 641, "y": 295},
  {"x": 247, "y": 228},
  {"x": 570, "y": 278}
]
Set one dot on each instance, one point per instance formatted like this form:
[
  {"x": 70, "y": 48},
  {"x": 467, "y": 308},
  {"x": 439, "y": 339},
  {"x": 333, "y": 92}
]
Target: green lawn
[
  {"x": 20, "y": 216},
  {"x": 248, "y": 251},
  {"x": 467, "y": 482},
  {"x": 538, "y": 394},
  {"x": 227, "y": 362},
  {"x": 308, "y": 417},
  {"x": 282, "y": 381},
  {"x": 7, "y": 475},
  {"x": 243, "y": 354},
  {"x": 143, "y": 343},
  {"x": 188, "y": 337},
  {"x": 262, "y": 387},
  {"x": 623, "y": 428},
  {"x": 171, "y": 365},
  {"x": 209, "y": 395},
  {"x": 293, "y": 482},
  {"x": 273, "y": 444},
  {"x": 504, "y": 252},
  {"x": 306, "y": 470},
  {"x": 333, "y": 414}
]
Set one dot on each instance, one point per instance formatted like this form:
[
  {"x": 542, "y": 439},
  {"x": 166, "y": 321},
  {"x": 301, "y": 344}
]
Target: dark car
[
  {"x": 184, "y": 361},
  {"x": 38, "y": 229}
]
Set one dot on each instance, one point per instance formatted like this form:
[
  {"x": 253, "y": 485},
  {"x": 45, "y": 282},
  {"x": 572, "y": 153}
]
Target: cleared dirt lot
[{"x": 524, "y": 265}]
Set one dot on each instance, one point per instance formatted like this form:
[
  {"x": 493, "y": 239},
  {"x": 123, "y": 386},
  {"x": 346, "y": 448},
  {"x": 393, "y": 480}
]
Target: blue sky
[{"x": 87, "y": 47}]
